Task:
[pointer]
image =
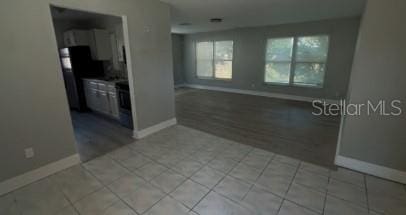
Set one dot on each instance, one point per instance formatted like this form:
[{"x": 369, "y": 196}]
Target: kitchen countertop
[{"x": 105, "y": 80}]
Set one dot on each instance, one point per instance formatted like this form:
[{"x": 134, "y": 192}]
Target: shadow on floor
[{"x": 97, "y": 135}]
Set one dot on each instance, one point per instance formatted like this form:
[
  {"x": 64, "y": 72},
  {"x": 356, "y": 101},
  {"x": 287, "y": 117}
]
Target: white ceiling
[{"x": 246, "y": 13}]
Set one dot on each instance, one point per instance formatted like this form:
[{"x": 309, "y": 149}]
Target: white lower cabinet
[
  {"x": 104, "y": 102},
  {"x": 101, "y": 96},
  {"x": 113, "y": 104}
]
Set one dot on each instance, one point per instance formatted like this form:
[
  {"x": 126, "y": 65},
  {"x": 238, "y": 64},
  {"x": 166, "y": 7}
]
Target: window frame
[
  {"x": 293, "y": 61},
  {"x": 213, "y": 77}
]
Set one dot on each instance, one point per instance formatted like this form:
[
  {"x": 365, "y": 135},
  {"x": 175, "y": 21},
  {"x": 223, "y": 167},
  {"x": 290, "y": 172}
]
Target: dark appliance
[
  {"x": 77, "y": 63},
  {"x": 124, "y": 103}
]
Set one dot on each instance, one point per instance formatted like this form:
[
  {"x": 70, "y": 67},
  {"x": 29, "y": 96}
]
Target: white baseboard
[
  {"x": 371, "y": 169},
  {"x": 37, "y": 174},
  {"x": 261, "y": 93},
  {"x": 180, "y": 85},
  {"x": 155, "y": 128}
]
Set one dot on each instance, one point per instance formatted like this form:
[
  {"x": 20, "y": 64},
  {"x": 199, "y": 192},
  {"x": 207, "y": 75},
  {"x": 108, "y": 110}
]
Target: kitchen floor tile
[
  {"x": 150, "y": 170},
  {"x": 140, "y": 197},
  {"x": 215, "y": 204},
  {"x": 136, "y": 161},
  {"x": 119, "y": 208},
  {"x": 187, "y": 167},
  {"x": 262, "y": 201},
  {"x": 289, "y": 208},
  {"x": 306, "y": 197},
  {"x": 311, "y": 180},
  {"x": 41, "y": 197},
  {"x": 315, "y": 169},
  {"x": 233, "y": 188},
  {"x": 222, "y": 164},
  {"x": 69, "y": 210},
  {"x": 76, "y": 182},
  {"x": 105, "y": 169},
  {"x": 168, "y": 181},
  {"x": 245, "y": 173},
  {"x": 277, "y": 178},
  {"x": 96, "y": 203},
  {"x": 348, "y": 192},
  {"x": 348, "y": 176},
  {"x": 207, "y": 176},
  {"x": 168, "y": 206},
  {"x": 335, "y": 206},
  {"x": 286, "y": 160},
  {"x": 189, "y": 193}
]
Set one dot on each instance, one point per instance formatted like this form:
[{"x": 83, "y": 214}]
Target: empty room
[{"x": 227, "y": 107}]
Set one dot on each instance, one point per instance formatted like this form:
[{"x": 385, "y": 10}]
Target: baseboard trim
[
  {"x": 155, "y": 128},
  {"x": 371, "y": 169},
  {"x": 261, "y": 93},
  {"x": 180, "y": 85},
  {"x": 37, "y": 174}
]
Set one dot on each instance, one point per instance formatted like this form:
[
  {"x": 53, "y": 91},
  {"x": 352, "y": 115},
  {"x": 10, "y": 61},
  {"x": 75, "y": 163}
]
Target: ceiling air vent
[{"x": 216, "y": 20}]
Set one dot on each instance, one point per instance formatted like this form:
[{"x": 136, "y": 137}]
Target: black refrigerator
[{"x": 77, "y": 64}]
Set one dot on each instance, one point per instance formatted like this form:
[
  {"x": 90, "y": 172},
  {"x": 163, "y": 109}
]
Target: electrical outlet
[{"x": 29, "y": 152}]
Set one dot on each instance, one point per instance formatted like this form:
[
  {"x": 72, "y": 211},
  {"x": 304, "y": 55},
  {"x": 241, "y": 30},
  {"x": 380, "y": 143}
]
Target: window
[
  {"x": 214, "y": 59},
  {"x": 299, "y": 61}
]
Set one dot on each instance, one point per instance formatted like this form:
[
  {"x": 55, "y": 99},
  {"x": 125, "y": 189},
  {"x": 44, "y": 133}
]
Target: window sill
[
  {"x": 292, "y": 85},
  {"x": 215, "y": 79}
]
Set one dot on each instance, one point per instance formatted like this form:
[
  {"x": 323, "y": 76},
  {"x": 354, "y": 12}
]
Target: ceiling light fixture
[{"x": 185, "y": 24}]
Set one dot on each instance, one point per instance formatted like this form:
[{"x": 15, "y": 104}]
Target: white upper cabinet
[
  {"x": 76, "y": 38},
  {"x": 97, "y": 39},
  {"x": 100, "y": 44}
]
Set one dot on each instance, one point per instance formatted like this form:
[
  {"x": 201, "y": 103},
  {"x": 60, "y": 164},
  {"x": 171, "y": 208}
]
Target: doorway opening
[{"x": 93, "y": 51}]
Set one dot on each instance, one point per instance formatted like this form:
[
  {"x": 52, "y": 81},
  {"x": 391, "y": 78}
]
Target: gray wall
[
  {"x": 177, "y": 54},
  {"x": 34, "y": 109},
  {"x": 249, "y": 56},
  {"x": 378, "y": 73}
]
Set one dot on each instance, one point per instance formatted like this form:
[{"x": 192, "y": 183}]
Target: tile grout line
[
  {"x": 133, "y": 173},
  {"x": 345, "y": 200},
  {"x": 366, "y": 193},
  {"x": 212, "y": 189},
  {"x": 260, "y": 174},
  {"x": 326, "y": 194},
  {"x": 284, "y": 197},
  {"x": 97, "y": 190},
  {"x": 186, "y": 178}
]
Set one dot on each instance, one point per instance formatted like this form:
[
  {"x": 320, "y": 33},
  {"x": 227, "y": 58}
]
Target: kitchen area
[{"x": 93, "y": 60}]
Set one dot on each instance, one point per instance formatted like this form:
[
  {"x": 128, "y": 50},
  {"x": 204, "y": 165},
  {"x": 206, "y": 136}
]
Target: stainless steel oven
[{"x": 124, "y": 103}]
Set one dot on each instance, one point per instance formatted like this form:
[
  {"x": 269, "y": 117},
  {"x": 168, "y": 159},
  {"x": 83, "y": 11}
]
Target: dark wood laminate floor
[
  {"x": 97, "y": 135},
  {"x": 281, "y": 126}
]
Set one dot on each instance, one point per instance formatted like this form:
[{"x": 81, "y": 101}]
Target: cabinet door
[
  {"x": 94, "y": 99},
  {"x": 69, "y": 38},
  {"x": 113, "y": 105},
  {"x": 76, "y": 38},
  {"x": 81, "y": 37},
  {"x": 102, "y": 42},
  {"x": 104, "y": 102}
]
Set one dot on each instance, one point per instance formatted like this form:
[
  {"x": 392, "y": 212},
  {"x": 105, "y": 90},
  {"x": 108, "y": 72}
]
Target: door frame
[{"x": 130, "y": 74}]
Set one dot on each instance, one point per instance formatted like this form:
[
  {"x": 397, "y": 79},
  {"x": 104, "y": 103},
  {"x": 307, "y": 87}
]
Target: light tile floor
[{"x": 184, "y": 171}]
